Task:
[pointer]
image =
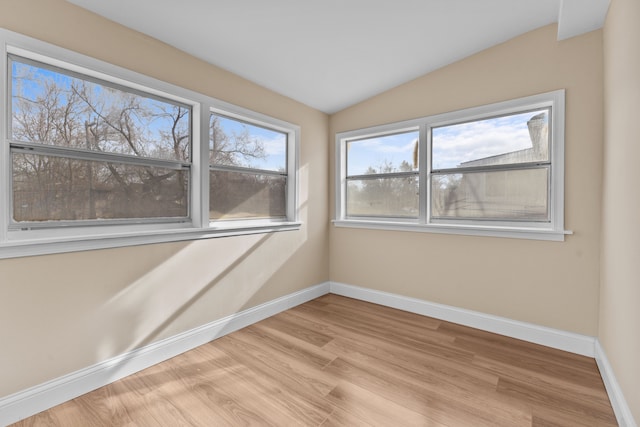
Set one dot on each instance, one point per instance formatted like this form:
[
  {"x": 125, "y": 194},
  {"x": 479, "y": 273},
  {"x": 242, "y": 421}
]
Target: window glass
[
  {"x": 238, "y": 195},
  {"x": 248, "y": 176},
  {"x": 519, "y": 193},
  {"x": 98, "y": 156},
  {"x": 514, "y": 138},
  {"x": 236, "y": 143},
  {"x": 383, "y": 154},
  {"x": 392, "y": 197},
  {"x": 51, "y": 188},
  {"x": 57, "y": 108},
  {"x": 492, "y": 170},
  {"x": 370, "y": 191},
  {"x": 84, "y": 150},
  {"x": 514, "y": 195}
]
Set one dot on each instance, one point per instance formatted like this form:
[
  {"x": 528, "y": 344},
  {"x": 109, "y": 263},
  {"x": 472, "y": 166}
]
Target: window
[
  {"x": 384, "y": 184},
  {"x": 86, "y": 151},
  {"x": 492, "y": 170},
  {"x": 248, "y": 170},
  {"x": 96, "y": 156}
]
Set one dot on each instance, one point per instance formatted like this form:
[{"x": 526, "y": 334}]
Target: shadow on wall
[{"x": 221, "y": 274}]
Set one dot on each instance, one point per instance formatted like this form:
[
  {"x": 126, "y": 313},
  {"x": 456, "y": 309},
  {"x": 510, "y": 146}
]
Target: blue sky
[
  {"x": 455, "y": 144},
  {"x": 273, "y": 142},
  {"x": 374, "y": 152},
  {"x": 31, "y": 82},
  {"x": 452, "y": 145}
]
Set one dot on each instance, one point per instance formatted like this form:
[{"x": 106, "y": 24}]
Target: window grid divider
[
  {"x": 551, "y": 229},
  {"x": 97, "y": 156},
  {"x": 5, "y": 154},
  {"x": 95, "y": 234}
]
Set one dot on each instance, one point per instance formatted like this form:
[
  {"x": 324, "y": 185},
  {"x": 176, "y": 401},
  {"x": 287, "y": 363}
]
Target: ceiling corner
[{"x": 575, "y": 17}]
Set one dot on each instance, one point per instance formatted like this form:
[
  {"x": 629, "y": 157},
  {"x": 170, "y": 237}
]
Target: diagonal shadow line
[{"x": 180, "y": 310}]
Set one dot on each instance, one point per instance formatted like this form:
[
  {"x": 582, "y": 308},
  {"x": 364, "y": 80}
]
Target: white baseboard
[
  {"x": 618, "y": 402},
  {"x": 562, "y": 340},
  {"x": 44, "y": 396},
  {"x": 29, "y": 402}
]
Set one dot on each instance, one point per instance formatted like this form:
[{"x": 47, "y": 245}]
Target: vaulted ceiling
[{"x": 330, "y": 54}]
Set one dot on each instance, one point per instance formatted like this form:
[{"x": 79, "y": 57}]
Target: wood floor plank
[
  {"x": 381, "y": 313},
  {"x": 298, "y": 331},
  {"x": 477, "y": 397},
  {"x": 416, "y": 361},
  {"x": 572, "y": 406},
  {"x": 374, "y": 409},
  {"x": 293, "y": 346},
  {"x": 592, "y": 395},
  {"x": 364, "y": 319},
  {"x": 219, "y": 383},
  {"x": 63, "y": 415},
  {"x": 340, "y": 418},
  {"x": 336, "y": 361},
  {"x": 522, "y": 348},
  {"x": 522, "y": 359},
  {"x": 420, "y": 398},
  {"x": 306, "y": 380},
  {"x": 430, "y": 341},
  {"x": 250, "y": 390},
  {"x": 301, "y": 387}
]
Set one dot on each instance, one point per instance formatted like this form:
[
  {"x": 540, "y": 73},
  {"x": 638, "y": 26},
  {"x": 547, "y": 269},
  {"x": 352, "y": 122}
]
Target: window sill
[
  {"x": 54, "y": 245},
  {"x": 468, "y": 230}
]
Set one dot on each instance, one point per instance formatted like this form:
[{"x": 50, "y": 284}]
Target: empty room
[{"x": 354, "y": 213}]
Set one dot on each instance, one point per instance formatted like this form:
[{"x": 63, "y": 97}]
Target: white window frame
[
  {"x": 293, "y": 135},
  {"x": 552, "y": 230},
  {"x": 17, "y": 242}
]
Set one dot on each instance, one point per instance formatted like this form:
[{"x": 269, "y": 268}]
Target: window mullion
[
  {"x": 556, "y": 176},
  {"x": 383, "y": 175},
  {"x": 98, "y": 156},
  {"x": 340, "y": 178},
  {"x": 492, "y": 192},
  {"x": 492, "y": 168},
  {"x": 5, "y": 157},
  {"x": 76, "y": 196},
  {"x": 293, "y": 176},
  {"x": 241, "y": 169},
  {"x": 200, "y": 172},
  {"x": 424, "y": 158}
]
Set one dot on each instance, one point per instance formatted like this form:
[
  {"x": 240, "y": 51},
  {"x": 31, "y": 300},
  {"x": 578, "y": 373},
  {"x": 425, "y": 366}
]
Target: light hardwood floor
[{"x": 338, "y": 361}]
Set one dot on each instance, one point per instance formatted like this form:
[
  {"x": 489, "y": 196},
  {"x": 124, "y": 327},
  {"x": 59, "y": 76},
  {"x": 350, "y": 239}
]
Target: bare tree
[
  {"x": 395, "y": 196},
  {"x": 233, "y": 148},
  {"x": 67, "y": 112}
]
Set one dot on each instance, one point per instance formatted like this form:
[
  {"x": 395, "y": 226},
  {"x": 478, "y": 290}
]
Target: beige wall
[
  {"x": 620, "y": 275},
  {"x": 546, "y": 283},
  {"x": 60, "y": 313}
]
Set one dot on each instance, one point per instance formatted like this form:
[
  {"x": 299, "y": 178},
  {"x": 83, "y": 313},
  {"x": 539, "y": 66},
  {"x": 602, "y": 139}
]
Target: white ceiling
[{"x": 330, "y": 54}]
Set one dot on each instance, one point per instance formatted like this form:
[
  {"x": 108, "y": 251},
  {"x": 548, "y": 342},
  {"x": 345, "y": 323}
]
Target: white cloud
[
  {"x": 375, "y": 152},
  {"x": 452, "y": 145},
  {"x": 273, "y": 146},
  {"x": 476, "y": 140}
]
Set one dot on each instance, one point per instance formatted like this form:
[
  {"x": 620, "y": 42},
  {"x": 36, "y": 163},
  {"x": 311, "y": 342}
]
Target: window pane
[
  {"x": 235, "y": 195},
  {"x": 54, "y": 108},
  {"x": 394, "y": 197},
  {"x": 511, "y": 195},
  {"x": 49, "y": 188},
  {"x": 383, "y": 154},
  {"x": 516, "y": 138},
  {"x": 235, "y": 143}
]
